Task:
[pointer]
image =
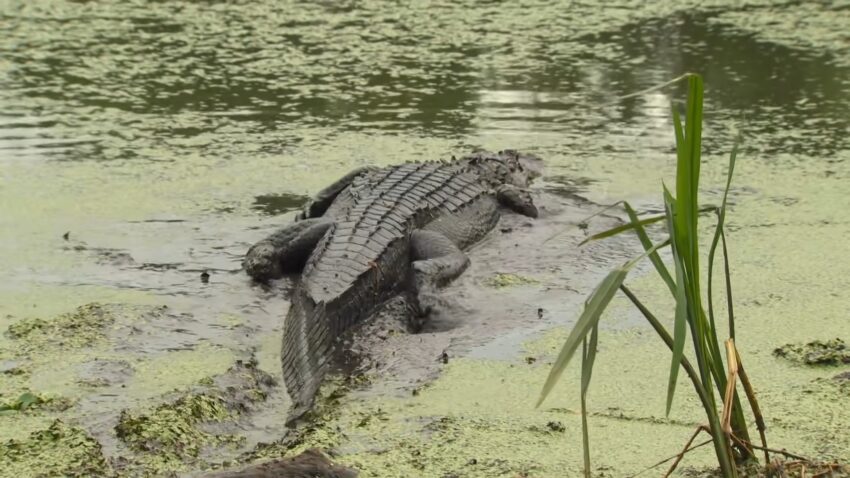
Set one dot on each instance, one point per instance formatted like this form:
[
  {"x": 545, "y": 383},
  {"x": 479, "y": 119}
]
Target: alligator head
[{"x": 508, "y": 167}]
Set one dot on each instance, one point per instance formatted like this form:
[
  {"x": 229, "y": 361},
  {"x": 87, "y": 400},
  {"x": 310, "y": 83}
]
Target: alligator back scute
[{"x": 387, "y": 206}]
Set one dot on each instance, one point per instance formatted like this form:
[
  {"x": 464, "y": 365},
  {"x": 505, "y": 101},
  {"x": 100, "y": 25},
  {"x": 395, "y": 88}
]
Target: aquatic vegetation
[
  {"x": 726, "y": 423},
  {"x": 830, "y": 352},
  {"x": 171, "y": 430},
  {"x": 75, "y": 329},
  {"x": 59, "y": 450},
  {"x": 29, "y": 400},
  {"x": 504, "y": 279},
  {"x": 173, "y": 433}
]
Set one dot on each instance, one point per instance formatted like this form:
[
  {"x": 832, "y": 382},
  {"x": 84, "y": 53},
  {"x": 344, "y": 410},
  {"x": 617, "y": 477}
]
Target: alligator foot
[
  {"x": 517, "y": 200},
  {"x": 286, "y": 250}
]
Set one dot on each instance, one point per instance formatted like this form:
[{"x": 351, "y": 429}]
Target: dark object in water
[
  {"x": 310, "y": 464},
  {"x": 205, "y": 277}
]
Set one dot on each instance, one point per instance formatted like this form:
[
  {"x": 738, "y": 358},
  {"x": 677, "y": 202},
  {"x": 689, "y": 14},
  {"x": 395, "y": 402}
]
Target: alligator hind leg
[
  {"x": 436, "y": 262},
  {"x": 324, "y": 198},
  {"x": 285, "y": 250}
]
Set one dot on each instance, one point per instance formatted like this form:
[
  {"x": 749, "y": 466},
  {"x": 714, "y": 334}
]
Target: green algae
[
  {"x": 83, "y": 327},
  {"x": 505, "y": 279},
  {"x": 478, "y": 418},
  {"x": 33, "y": 401},
  {"x": 173, "y": 435},
  {"x": 171, "y": 431},
  {"x": 59, "y": 450},
  {"x": 159, "y": 375},
  {"x": 830, "y": 352}
]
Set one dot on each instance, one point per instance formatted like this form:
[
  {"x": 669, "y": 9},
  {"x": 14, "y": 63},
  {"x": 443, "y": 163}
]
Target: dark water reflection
[
  {"x": 177, "y": 69},
  {"x": 276, "y": 204}
]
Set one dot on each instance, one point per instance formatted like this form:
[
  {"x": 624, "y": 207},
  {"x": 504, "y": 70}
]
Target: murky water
[{"x": 165, "y": 137}]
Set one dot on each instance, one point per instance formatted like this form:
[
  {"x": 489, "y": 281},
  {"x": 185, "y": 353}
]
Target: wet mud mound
[{"x": 309, "y": 464}]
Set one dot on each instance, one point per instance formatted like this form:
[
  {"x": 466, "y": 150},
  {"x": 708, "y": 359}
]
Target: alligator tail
[{"x": 306, "y": 354}]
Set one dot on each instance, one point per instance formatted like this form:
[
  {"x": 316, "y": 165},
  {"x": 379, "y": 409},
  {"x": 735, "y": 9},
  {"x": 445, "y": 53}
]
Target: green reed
[{"x": 715, "y": 389}]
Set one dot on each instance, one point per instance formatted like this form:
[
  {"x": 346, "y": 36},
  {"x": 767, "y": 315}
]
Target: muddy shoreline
[
  {"x": 214, "y": 418},
  {"x": 409, "y": 401}
]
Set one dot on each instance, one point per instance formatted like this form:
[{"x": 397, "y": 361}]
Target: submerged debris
[
  {"x": 60, "y": 450},
  {"x": 556, "y": 426},
  {"x": 831, "y": 352}
]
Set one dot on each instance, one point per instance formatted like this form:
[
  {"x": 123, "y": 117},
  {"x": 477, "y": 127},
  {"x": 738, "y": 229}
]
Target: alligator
[{"x": 375, "y": 234}]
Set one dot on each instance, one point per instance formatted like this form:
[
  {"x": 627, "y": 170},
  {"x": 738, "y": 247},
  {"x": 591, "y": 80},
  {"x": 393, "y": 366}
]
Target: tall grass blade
[
  {"x": 596, "y": 303},
  {"x": 588, "y": 358},
  {"x": 628, "y": 227},
  {"x": 647, "y": 244},
  {"x": 594, "y": 306},
  {"x": 718, "y": 232},
  {"x": 730, "y": 309},
  {"x": 623, "y": 228},
  {"x": 585, "y": 435},
  {"x": 681, "y": 318}
]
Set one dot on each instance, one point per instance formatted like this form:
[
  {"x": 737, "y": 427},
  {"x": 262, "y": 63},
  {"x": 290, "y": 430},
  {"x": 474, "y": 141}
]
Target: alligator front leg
[
  {"x": 324, "y": 198},
  {"x": 436, "y": 262},
  {"x": 516, "y": 199},
  {"x": 286, "y": 250}
]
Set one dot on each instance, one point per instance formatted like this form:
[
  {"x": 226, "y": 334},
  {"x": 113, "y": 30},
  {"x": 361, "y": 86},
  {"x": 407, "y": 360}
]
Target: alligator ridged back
[
  {"x": 388, "y": 205},
  {"x": 362, "y": 260}
]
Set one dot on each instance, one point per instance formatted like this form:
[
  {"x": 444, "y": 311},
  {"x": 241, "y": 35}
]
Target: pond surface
[{"x": 165, "y": 137}]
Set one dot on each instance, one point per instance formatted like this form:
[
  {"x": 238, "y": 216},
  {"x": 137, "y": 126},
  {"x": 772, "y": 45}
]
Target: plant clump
[
  {"x": 830, "y": 352},
  {"x": 59, "y": 450}
]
